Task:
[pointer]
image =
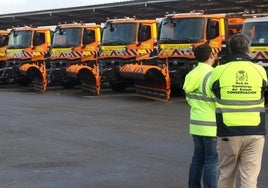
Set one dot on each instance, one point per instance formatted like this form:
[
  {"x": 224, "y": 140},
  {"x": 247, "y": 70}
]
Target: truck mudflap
[
  {"x": 89, "y": 77},
  {"x": 37, "y": 74},
  {"x": 150, "y": 81}
]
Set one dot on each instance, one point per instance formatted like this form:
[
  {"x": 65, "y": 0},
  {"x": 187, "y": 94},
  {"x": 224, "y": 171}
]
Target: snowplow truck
[
  {"x": 74, "y": 56},
  {"x": 3, "y": 58},
  {"x": 257, "y": 31},
  {"x": 27, "y": 56},
  {"x": 127, "y": 41},
  {"x": 179, "y": 35}
]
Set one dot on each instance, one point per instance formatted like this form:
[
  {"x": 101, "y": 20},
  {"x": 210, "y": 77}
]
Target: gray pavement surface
[{"x": 66, "y": 139}]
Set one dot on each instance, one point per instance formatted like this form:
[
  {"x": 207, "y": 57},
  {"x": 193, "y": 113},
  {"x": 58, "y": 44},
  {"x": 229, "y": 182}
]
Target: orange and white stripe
[{"x": 122, "y": 53}]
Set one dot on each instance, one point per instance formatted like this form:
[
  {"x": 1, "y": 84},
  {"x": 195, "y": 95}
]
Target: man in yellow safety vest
[
  {"x": 239, "y": 88},
  {"x": 202, "y": 120}
]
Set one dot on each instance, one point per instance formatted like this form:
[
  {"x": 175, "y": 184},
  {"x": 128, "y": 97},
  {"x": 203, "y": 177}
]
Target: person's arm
[{"x": 191, "y": 82}]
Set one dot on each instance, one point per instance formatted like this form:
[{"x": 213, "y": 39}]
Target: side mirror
[{"x": 111, "y": 28}]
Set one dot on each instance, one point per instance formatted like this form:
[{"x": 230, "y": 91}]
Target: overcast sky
[{"x": 14, "y": 6}]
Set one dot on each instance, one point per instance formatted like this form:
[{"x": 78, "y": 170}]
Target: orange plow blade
[
  {"x": 89, "y": 77},
  {"x": 40, "y": 79},
  {"x": 150, "y": 81},
  {"x": 37, "y": 74},
  {"x": 90, "y": 82}
]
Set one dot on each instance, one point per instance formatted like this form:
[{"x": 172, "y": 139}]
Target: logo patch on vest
[
  {"x": 241, "y": 85},
  {"x": 241, "y": 76}
]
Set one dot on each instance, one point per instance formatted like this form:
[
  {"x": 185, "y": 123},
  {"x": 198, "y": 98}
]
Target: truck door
[{"x": 215, "y": 35}]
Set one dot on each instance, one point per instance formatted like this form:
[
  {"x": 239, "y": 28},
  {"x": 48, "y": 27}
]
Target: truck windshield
[
  {"x": 67, "y": 37},
  {"x": 19, "y": 39},
  {"x": 184, "y": 30},
  {"x": 119, "y": 33},
  {"x": 257, "y": 32}
]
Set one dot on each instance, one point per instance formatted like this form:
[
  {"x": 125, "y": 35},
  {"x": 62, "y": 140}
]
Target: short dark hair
[
  {"x": 202, "y": 52},
  {"x": 239, "y": 43}
]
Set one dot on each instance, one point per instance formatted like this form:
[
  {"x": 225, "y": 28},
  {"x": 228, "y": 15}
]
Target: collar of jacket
[{"x": 239, "y": 57}]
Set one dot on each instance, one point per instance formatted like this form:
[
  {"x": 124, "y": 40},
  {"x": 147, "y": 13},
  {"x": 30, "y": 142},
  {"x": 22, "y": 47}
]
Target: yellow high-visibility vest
[
  {"x": 239, "y": 88},
  {"x": 200, "y": 99}
]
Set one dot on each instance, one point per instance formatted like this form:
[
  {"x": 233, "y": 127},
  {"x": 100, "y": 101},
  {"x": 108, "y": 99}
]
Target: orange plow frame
[
  {"x": 151, "y": 81},
  {"x": 40, "y": 75},
  {"x": 83, "y": 72}
]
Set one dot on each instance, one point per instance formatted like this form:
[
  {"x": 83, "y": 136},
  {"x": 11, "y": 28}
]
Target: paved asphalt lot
[{"x": 65, "y": 139}]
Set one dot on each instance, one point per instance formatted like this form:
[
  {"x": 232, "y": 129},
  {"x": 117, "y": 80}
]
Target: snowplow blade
[
  {"x": 39, "y": 84},
  {"x": 37, "y": 74},
  {"x": 150, "y": 81},
  {"x": 88, "y": 77}
]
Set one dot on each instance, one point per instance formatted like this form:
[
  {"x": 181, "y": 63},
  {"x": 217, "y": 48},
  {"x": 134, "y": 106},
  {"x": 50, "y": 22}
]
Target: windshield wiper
[
  {"x": 105, "y": 42},
  {"x": 188, "y": 40},
  {"x": 180, "y": 40},
  {"x": 11, "y": 47},
  {"x": 65, "y": 45},
  {"x": 167, "y": 41},
  {"x": 119, "y": 42},
  {"x": 16, "y": 46},
  {"x": 114, "y": 42}
]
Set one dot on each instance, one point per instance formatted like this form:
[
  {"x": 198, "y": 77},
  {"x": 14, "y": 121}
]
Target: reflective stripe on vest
[
  {"x": 257, "y": 109},
  {"x": 204, "y": 93},
  {"x": 237, "y": 102},
  {"x": 205, "y": 123}
]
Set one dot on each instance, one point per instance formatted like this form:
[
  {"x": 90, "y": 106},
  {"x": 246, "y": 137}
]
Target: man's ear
[
  {"x": 248, "y": 50},
  {"x": 212, "y": 55}
]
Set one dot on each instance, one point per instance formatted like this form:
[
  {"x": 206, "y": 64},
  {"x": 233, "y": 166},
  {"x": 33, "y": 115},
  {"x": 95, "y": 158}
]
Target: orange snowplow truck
[
  {"x": 179, "y": 35},
  {"x": 257, "y": 30},
  {"x": 27, "y": 55},
  {"x": 74, "y": 56},
  {"x": 3, "y": 58},
  {"x": 124, "y": 42}
]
